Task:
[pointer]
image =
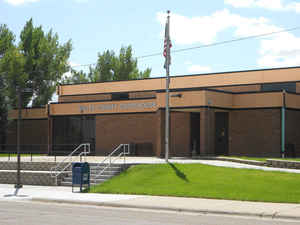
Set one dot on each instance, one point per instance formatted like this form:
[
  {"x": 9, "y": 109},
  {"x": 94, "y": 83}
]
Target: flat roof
[{"x": 246, "y": 77}]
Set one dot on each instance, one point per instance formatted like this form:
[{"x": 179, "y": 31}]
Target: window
[
  {"x": 291, "y": 87},
  {"x": 70, "y": 131},
  {"x": 120, "y": 96}
]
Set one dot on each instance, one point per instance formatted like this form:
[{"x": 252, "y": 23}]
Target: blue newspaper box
[{"x": 80, "y": 175}]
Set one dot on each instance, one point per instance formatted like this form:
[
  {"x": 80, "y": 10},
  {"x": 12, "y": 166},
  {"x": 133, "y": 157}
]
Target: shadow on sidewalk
[{"x": 180, "y": 174}]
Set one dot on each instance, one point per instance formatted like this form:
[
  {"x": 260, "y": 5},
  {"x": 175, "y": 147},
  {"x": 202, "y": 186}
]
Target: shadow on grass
[{"x": 179, "y": 174}]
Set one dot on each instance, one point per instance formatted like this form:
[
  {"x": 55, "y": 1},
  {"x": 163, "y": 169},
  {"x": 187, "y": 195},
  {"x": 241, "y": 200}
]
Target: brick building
[{"x": 251, "y": 113}]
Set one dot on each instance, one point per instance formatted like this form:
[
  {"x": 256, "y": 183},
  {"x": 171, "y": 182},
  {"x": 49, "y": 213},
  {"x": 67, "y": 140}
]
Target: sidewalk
[{"x": 197, "y": 205}]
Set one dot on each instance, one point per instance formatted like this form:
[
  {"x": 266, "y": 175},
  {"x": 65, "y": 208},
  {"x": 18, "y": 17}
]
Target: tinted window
[
  {"x": 70, "y": 131},
  {"x": 120, "y": 96},
  {"x": 291, "y": 87}
]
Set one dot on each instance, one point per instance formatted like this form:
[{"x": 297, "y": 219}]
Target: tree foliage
[
  {"x": 111, "y": 67},
  {"x": 37, "y": 62}
]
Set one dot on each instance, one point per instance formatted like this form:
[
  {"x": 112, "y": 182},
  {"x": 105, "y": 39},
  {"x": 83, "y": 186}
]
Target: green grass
[
  {"x": 196, "y": 180},
  {"x": 261, "y": 159}
]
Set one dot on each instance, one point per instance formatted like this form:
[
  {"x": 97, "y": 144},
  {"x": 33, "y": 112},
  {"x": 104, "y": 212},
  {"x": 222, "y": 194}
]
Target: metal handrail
[
  {"x": 126, "y": 151},
  {"x": 61, "y": 167}
]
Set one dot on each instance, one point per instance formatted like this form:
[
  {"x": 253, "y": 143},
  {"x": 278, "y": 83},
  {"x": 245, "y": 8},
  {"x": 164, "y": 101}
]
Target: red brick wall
[
  {"x": 207, "y": 131},
  {"x": 33, "y": 132},
  {"x": 293, "y": 129},
  {"x": 255, "y": 132},
  {"x": 112, "y": 130},
  {"x": 180, "y": 139}
]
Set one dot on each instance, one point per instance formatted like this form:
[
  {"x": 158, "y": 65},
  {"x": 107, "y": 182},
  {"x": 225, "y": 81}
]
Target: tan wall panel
[
  {"x": 257, "y": 100},
  {"x": 196, "y": 98},
  {"x": 104, "y": 107},
  {"x": 190, "y": 98},
  {"x": 32, "y": 113},
  {"x": 212, "y": 80},
  {"x": 281, "y": 75},
  {"x": 217, "y": 99},
  {"x": 292, "y": 101},
  {"x": 108, "y": 87}
]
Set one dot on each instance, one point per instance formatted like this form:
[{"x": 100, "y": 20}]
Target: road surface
[{"x": 35, "y": 213}]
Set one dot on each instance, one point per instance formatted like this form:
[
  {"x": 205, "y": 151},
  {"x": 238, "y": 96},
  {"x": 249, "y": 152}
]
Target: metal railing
[
  {"x": 121, "y": 151},
  {"x": 66, "y": 162}
]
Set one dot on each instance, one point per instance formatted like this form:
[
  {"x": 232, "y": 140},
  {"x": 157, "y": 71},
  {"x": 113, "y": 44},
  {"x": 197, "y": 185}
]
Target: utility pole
[
  {"x": 167, "y": 55},
  {"x": 18, "y": 184}
]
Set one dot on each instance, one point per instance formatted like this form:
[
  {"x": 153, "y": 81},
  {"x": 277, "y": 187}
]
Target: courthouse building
[{"x": 253, "y": 113}]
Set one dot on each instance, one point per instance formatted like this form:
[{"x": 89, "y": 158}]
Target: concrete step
[
  {"x": 110, "y": 168},
  {"x": 106, "y": 172},
  {"x": 67, "y": 183}
]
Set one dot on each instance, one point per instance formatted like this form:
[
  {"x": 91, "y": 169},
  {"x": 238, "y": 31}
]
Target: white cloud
[
  {"x": 279, "y": 51},
  {"x": 20, "y": 2},
  {"x": 275, "y": 51},
  {"x": 275, "y": 5},
  {"x": 198, "y": 69},
  {"x": 204, "y": 30}
]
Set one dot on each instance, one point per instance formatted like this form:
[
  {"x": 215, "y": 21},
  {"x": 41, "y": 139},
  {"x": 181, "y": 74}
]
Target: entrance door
[
  {"x": 221, "y": 140},
  {"x": 195, "y": 133}
]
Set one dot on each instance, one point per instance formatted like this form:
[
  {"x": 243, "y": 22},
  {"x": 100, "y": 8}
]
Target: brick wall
[
  {"x": 255, "y": 132},
  {"x": 180, "y": 139},
  {"x": 292, "y": 135},
  {"x": 34, "y": 135},
  {"x": 180, "y": 128},
  {"x": 207, "y": 131},
  {"x": 112, "y": 130}
]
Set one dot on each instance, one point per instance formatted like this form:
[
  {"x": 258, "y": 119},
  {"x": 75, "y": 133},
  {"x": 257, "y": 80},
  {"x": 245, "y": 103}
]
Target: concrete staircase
[{"x": 113, "y": 170}]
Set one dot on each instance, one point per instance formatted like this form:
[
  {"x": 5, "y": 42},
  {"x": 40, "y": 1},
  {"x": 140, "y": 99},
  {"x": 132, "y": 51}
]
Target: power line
[{"x": 211, "y": 45}]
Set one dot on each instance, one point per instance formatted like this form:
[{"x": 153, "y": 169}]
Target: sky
[{"x": 96, "y": 25}]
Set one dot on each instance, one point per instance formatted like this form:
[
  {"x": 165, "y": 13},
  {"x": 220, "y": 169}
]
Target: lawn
[
  {"x": 196, "y": 180},
  {"x": 261, "y": 159}
]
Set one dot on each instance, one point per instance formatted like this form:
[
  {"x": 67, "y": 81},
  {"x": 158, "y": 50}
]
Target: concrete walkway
[
  {"x": 198, "y": 205},
  {"x": 153, "y": 160}
]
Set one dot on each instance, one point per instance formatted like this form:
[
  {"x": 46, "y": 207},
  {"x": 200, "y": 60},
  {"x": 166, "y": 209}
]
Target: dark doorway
[
  {"x": 195, "y": 133},
  {"x": 221, "y": 140}
]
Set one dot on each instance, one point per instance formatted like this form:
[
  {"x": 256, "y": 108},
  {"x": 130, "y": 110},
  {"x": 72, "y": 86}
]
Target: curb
[{"x": 172, "y": 209}]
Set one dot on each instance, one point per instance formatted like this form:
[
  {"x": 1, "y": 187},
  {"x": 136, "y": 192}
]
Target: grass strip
[
  {"x": 261, "y": 159},
  {"x": 196, "y": 180}
]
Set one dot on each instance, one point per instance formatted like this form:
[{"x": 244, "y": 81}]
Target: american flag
[{"x": 167, "y": 44}]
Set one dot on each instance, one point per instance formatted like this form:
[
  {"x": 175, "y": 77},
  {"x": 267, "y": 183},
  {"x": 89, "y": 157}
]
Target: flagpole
[{"x": 167, "y": 128}]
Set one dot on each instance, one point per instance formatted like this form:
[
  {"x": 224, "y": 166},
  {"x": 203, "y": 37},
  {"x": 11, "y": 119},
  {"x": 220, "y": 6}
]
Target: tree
[
  {"x": 13, "y": 71},
  {"x": 7, "y": 39},
  {"x": 45, "y": 61},
  {"x": 122, "y": 67}
]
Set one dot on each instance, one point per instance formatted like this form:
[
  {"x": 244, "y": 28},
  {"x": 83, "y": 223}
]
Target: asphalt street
[{"x": 36, "y": 213}]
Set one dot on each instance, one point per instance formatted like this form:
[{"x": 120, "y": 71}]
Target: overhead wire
[{"x": 209, "y": 45}]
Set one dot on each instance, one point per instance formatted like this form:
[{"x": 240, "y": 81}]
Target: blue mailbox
[{"x": 80, "y": 175}]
